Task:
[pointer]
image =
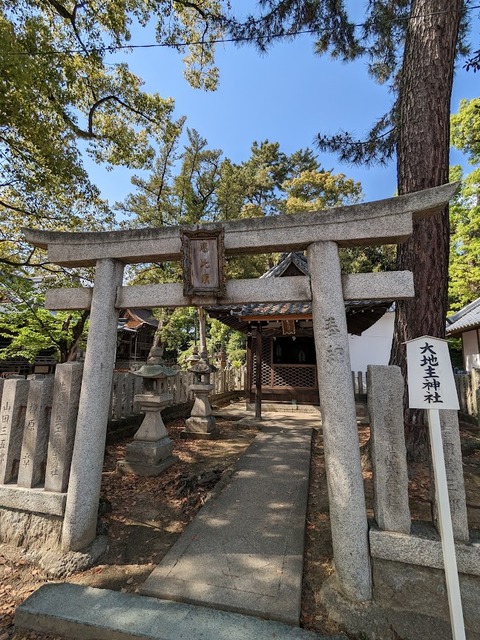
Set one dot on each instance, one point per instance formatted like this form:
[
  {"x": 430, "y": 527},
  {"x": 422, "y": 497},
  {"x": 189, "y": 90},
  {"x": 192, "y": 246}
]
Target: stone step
[
  {"x": 285, "y": 407},
  {"x": 76, "y": 611}
]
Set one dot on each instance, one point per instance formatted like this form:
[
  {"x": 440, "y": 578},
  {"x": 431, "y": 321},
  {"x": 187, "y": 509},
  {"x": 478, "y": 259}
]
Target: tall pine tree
[{"x": 412, "y": 44}]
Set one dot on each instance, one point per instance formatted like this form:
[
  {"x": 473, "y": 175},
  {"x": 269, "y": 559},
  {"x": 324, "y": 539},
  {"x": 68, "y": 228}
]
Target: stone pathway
[
  {"x": 238, "y": 562},
  {"x": 243, "y": 551}
]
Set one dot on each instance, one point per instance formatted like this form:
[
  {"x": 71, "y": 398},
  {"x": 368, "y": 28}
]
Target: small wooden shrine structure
[{"x": 280, "y": 338}]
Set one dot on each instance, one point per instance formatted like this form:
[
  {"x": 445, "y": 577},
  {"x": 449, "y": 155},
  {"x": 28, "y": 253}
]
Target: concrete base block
[
  {"x": 75, "y": 611},
  {"x": 144, "y": 468},
  {"x": 420, "y": 593},
  {"x": 58, "y": 565},
  {"x": 371, "y": 621},
  {"x": 149, "y": 452},
  {"x": 200, "y": 427},
  {"x": 147, "y": 458},
  {"x": 409, "y": 602},
  {"x": 30, "y": 530}
]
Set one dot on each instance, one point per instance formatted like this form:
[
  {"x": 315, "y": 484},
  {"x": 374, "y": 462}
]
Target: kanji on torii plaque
[{"x": 203, "y": 262}]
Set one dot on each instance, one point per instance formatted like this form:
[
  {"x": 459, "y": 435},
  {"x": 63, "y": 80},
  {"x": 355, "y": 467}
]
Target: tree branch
[
  {"x": 12, "y": 208},
  {"x": 120, "y": 101},
  {"x": 25, "y": 263},
  {"x": 71, "y": 17},
  {"x": 193, "y": 5},
  {"x": 60, "y": 9},
  {"x": 81, "y": 133}
]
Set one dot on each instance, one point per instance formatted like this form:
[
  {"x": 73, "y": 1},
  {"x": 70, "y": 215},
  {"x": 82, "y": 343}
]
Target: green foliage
[
  {"x": 222, "y": 338},
  {"x": 368, "y": 259},
  {"x": 456, "y": 352},
  {"x": 179, "y": 335},
  {"x": 465, "y": 129},
  {"x": 199, "y": 185},
  {"x": 464, "y": 268},
  {"x": 185, "y": 197},
  {"x": 178, "y": 332},
  {"x": 314, "y": 190},
  {"x": 28, "y": 328},
  {"x": 61, "y": 92}
]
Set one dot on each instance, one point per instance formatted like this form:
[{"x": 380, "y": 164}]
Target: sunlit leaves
[
  {"x": 316, "y": 190},
  {"x": 464, "y": 268},
  {"x": 465, "y": 129},
  {"x": 28, "y": 328},
  {"x": 59, "y": 85}
]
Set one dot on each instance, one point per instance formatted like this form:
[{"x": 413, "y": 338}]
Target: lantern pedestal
[
  {"x": 150, "y": 453},
  {"x": 201, "y": 424}
]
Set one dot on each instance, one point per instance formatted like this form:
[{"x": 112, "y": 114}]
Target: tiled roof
[
  {"x": 298, "y": 259},
  {"x": 275, "y": 309},
  {"x": 466, "y": 318},
  {"x": 361, "y": 314}
]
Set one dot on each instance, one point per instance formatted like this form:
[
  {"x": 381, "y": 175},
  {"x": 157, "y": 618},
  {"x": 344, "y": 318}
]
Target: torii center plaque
[{"x": 203, "y": 262}]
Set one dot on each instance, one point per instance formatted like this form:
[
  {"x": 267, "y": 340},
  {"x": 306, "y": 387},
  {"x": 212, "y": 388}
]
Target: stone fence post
[
  {"x": 454, "y": 470},
  {"x": 13, "y": 409},
  {"x": 66, "y": 393},
  {"x": 35, "y": 434},
  {"x": 389, "y": 454}
]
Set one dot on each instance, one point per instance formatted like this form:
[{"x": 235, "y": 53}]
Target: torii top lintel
[{"x": 388, "y": 221}]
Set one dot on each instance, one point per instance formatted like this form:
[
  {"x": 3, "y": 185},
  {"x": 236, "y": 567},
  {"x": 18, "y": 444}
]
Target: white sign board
[{"x": 430, "y": 376}]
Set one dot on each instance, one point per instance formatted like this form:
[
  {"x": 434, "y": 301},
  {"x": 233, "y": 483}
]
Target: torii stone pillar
[
  {"x": 346, "y": 497},
  {"x": 81, "y": 510}
]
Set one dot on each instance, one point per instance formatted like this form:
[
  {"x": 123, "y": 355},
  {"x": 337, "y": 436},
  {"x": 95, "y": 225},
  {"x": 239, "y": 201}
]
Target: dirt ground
[{"x": 143, "y": 517}]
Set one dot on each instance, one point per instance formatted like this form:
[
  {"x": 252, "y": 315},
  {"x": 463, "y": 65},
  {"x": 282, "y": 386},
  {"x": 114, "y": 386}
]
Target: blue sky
[{"x": 285, "y": 96}]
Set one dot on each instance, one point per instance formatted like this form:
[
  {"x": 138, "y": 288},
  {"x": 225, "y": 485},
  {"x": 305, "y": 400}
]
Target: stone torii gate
[{"x": 387, "y": 221}]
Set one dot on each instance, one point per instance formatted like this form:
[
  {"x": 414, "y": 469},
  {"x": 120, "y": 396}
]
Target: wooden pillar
[
  {"x": 248, "y": 385},
  {"x": 258, "y": 373}
]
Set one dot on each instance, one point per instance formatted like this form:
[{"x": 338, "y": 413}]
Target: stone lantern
[
  {"x": 201, "y": 423},
  {"x": 150, "y": 453}
]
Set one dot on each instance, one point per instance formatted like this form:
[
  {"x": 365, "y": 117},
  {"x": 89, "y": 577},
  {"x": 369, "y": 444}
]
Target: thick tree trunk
[{"x": 422, "y": 162}]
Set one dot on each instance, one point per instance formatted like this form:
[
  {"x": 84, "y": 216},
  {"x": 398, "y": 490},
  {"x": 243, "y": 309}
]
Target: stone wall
[
  {"x": 37, "y": 431},
  {"x": 409, "y": 602}
]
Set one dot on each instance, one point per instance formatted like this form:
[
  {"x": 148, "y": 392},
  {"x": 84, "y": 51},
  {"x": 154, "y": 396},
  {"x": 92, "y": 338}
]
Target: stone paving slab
[
  {"x": 271, "y": 411},
  {"x": 243, "y": 552},
  {"x": 76, "y": 611}
]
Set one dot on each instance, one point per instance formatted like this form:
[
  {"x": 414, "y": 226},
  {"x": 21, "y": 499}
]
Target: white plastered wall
[
  {"x": 373, "y": 346},
  {"x": 471, "y": 356}
]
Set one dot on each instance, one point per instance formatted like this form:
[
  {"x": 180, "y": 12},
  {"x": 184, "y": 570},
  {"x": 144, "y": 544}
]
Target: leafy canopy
[
  {"x": 27, "y": 328},
  {"x": 464, "y": 268},
  {"x": 62, "y": 92}
]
